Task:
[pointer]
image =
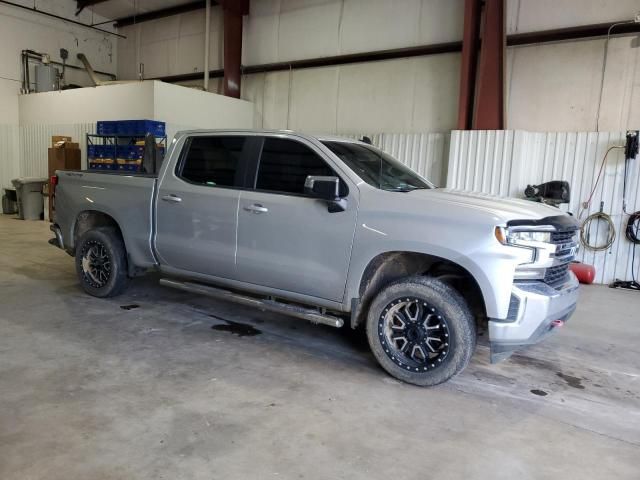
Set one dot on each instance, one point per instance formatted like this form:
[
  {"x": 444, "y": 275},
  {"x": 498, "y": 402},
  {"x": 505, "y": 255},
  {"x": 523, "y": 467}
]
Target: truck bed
[{"x": 125, "y": 196}]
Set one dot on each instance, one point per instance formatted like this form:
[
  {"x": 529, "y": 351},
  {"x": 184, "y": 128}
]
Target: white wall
[
  {"x": 556, "y": 87},
  {"x": 75, "y": 113},
  {"x": 20, "y": 30},
  {"x": 535, "y": 15},
  {"x": 405, "y": 95},
  {"x": 108, "y": 102},
  {"x": 281, "y": 30},
  {"x": 187, "y": 106},
  {"x": 548, "y": 87},
  {"x": 170, "y": 46}
]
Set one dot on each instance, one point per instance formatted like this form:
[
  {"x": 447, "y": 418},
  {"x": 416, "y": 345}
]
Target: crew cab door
[
  {"x": 288, "y": 240},
  {"x": 196, "y": 213}
]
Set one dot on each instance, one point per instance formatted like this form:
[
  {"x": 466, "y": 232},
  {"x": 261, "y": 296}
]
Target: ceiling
[{"x": 113, "y": 9}]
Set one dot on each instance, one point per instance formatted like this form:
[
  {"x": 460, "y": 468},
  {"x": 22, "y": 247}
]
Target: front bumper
[{"x": 539, "y": 309}]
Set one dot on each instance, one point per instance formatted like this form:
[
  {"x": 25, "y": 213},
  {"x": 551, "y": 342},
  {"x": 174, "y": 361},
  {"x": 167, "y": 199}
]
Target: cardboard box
[
  {"x": 63, "y": 159},
  {"x": 59, "y": 138},
  {"x": 65, "y": 144}
]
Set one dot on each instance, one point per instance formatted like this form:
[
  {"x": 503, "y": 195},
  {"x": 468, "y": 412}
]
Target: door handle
[
  {"x": 256, "y": 208},
  {"x": 171, "y": 198}
]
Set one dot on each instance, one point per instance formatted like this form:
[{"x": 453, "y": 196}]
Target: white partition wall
[
  {"x": 23, "y": 148},
  {"x": 505, "y": 162}
]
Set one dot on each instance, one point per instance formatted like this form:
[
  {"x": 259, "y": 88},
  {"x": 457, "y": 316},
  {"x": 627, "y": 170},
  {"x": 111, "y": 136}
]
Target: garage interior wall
[
  {"x": 21, "y": 30},
  {"x": 505, "y": 162},
  {"x": 549, "y": 87}
]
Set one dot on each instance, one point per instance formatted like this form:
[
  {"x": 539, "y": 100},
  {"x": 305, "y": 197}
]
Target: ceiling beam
[{"x": 162, "y": 13}]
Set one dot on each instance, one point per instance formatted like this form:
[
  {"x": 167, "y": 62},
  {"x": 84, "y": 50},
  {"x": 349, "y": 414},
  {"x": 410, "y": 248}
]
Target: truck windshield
[{"x": 377, "y": 168}]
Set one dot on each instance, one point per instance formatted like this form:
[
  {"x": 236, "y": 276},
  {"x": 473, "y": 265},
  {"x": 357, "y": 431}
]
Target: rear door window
[{"x": 214, "y": 161}]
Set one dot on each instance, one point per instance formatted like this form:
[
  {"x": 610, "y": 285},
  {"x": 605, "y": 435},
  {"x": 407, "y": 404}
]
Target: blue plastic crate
[
  {"x": 106, "y": 127},
  {"x": 129, "y": 167},
  {"x": 102, "y": 166},
  {"x": 130, "y": 152},
  {"x": 107, "y": 151},
  {"x": 135, "y": 152},
  {"x": 140, "y": 127}
]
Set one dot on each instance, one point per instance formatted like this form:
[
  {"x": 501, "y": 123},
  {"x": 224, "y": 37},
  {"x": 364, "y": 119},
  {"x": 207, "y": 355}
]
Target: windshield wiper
[{"x": 405, "y": 189}]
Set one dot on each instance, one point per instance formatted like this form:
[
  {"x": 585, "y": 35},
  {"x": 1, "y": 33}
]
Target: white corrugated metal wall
[
  {"x": 505, "y": 162},
  {"x": 9, "y": 154},
  {"x": 425, "y": 153},
  {"x": 36, "y": 139}
]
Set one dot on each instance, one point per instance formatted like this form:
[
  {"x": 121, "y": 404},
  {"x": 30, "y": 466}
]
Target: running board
[{"x": 314, "y": 316}]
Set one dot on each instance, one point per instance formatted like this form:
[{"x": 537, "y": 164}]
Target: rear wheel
[
  {"x": 101, "y": 262},
  {"x": 421, "y": 331}
]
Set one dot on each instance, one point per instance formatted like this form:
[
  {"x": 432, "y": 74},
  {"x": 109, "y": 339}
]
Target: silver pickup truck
[{"x": 333, "y": 231}]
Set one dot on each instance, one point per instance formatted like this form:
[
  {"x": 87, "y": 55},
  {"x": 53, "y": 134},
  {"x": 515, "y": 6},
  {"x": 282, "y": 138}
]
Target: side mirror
[{"x": 326, "y": 188}]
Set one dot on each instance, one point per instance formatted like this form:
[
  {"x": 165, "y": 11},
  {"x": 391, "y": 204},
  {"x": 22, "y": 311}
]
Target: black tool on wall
[
  {"x": 552, "y": 193},
  {"x": 632, "y": 231}
]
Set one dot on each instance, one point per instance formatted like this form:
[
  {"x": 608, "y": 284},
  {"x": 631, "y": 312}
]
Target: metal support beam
[
  {"x": 572, "y": 33},
  {"x": 348, "y": 59},
  {"x": 469, "y": 62},
  {"x": 233, "y": 13},
  {"x": 488, "y": 113},
  {"x": 207, "y": 41}
]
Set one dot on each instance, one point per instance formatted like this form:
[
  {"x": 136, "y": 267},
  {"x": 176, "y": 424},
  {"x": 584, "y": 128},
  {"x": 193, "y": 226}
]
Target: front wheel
[
  {"x": 101, "y": 262},
  {"x": 421, "y": 331}
]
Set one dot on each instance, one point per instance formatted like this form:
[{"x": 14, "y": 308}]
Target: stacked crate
[{"x": 119, "y": 144}]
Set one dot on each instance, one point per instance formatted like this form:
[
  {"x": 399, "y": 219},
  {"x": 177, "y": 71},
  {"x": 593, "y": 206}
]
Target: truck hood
[{"x": 503, "y": 208}]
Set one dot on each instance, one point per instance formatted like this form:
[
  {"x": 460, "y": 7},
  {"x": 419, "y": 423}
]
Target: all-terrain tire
[
  {"x": 101, "y": 262},
  {"x": 413, "y": 308}
]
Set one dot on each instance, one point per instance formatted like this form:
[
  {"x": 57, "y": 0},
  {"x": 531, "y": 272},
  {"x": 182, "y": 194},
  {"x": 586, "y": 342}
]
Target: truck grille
[
  {"x": 557, "y": 275},
  {"x": 562, "y": 237},
  {"x": 567, "y": 241}
]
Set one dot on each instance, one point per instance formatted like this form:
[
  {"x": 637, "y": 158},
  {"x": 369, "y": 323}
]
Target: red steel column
[
  {"x": 233, "y": 13},
  {"x": 469, "y": 63},
  {"x": 489, "y": 107}
]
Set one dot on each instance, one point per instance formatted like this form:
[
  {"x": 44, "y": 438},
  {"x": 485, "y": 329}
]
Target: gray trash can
[{"x": 29, "y": 194}]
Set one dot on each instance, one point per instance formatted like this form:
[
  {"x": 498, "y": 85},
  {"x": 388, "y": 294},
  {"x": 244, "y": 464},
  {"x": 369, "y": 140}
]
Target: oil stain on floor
[
  {"x": 574, "y": 382},
  {"x": 236, "y": 328}
]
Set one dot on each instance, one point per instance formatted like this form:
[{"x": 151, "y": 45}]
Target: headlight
[
  {"x": 524, "y": 238},
  {"x": 533, "y": 241},
  {"x": 515, "y": 237}
]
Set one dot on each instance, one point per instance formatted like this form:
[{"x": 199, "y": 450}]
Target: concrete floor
[{"x": 92, "y": 390}]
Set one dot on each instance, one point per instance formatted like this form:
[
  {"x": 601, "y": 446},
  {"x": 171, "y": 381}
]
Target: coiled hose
[
  {"x": 611, "y": 231},
  {"x": 632, "y": 230}
]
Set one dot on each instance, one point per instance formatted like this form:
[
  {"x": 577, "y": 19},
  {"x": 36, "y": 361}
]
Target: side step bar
[{"x": 314, "y": 316}]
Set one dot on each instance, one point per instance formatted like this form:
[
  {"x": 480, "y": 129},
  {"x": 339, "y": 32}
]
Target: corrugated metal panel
[
  {"x": 9, "y": 155},
  {"x": 36, "y": 139},
  {"x": 505, "y": 162},
  {"x": 425, "y": 153}
]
